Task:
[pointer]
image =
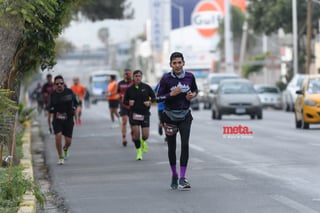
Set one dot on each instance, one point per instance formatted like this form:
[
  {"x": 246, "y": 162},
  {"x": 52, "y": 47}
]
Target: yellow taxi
[{"x": 307, "y": 105}]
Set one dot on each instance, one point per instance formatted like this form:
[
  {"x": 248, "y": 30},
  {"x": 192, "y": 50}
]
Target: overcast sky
[{"x": 84, "y": 33}]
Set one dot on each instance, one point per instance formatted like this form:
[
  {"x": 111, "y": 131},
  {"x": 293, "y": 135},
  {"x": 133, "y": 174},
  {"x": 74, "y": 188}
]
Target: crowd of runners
[{"x": 130, "y": 100}]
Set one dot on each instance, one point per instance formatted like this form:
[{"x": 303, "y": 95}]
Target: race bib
[
  {"x": 137, "y": 117},
  {"x": 61, "y": 116},
  {"x": 170, "y": 129}
]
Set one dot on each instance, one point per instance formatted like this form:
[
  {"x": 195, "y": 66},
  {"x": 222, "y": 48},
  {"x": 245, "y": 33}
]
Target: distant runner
[
  {"x": 140, "y": 97},
  {"x": 124, "y": 109},
  {"x": 62, "y": 106},
  {"x": 46, "y": 90},
  {"x": 80, "y": 91},
  {"x": 113, "y": 99}
]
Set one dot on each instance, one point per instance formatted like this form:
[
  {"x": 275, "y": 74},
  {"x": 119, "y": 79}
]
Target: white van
[{"x": 98, "y": 83}]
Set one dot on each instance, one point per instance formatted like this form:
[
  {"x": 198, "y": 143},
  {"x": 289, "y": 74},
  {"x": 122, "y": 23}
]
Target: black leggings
[{"x": 184, "y": 131}]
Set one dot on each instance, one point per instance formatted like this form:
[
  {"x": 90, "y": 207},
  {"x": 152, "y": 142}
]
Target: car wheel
[
  {"x": 291, "y": 108},
  {"x": 285, "y": 107},
  {"x": 94, "y": 101},
  {"x": 298, "y": 123},
  {"x": 259, "y": 115},
  {"x": 252, "y": 116},
  {"x": 205, "y": 105},
  {"x": 288, "y": 108},
  {"x": 213, "y": 115},
  {"x": 304, "y": 124},
  {"x": 218, "y": 115}
]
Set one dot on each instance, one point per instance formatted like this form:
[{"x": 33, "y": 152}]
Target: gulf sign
[{"x": 206, "y": 18}]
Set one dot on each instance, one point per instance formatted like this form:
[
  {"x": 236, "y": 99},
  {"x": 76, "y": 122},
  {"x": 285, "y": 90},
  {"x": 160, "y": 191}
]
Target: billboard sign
[
  {"x": 157, "y": 30},
  {"x": 206, "y": 18},
  {"x": 204, "y": 15},
  {"x": 199, "y": 36}
]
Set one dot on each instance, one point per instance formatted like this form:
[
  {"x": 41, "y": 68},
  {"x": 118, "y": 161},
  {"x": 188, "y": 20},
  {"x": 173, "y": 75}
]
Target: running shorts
[
  {"x": 113, "y": 104},
  {"x": 64, "y": 126}
]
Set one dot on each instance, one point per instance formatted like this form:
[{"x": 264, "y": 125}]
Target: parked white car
[
  {"x": 270, "y": 96},
  {"x": 289, "y": 95}
]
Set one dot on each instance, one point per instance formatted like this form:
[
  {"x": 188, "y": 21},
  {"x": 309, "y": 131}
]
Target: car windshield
[
  {"x": 217, "y": 79},
  {"x": 314, "y": 86},
  {"x": 237, "y": 88},
  {"x": 300, "y": 81},
  {"x": 267, "y": 90},
  {"x": 100, "y": 81}
]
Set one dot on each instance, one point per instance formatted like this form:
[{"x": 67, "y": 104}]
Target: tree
[
  {"x": 237, "y": 17},
  {"x": 247, "y": 70},
  {"x": 28, "y": 32},
  {"x": 62, "y": 46},
  {"x": 101, "y": 9},
  {"x": 270, "y": 16}
]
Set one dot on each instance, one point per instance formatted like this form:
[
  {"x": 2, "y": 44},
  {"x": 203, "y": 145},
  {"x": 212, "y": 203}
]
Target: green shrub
[
  {"x": 26, "y": 113},
  {"x": 14, "y": 187},
  {"x": 13, "y": 183}
]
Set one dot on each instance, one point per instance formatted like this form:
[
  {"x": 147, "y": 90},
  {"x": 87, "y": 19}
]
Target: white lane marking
[
  {"x": 198, "y": 148},
  {"x": 284, "y": 138},
  {"x": 193, "y": 160},
  {"x": 228, "y": 160},
  {"x": 293, "y": 204},
  {"x": 314, "y": 144},
  {"x": 196, "y": 160},
  {"x": 229, "y": 176},
  {"x": 162, "y": 163},
  {"x": 298, "y": 181}
]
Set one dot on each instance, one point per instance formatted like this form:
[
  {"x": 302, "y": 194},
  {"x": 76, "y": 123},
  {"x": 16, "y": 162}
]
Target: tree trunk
[
  {"x": 10, "y": 35},
  {"x": 309, "y": 36}
]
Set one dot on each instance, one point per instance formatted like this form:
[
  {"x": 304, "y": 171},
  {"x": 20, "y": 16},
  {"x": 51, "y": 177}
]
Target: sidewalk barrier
[{"x": 28, "y": 205}]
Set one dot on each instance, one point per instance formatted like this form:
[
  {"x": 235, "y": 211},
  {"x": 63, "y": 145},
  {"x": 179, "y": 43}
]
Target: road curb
[{"x": 28, "y": 205}]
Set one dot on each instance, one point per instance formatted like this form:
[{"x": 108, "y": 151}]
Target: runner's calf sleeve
[{"x": 137, "y": 143}]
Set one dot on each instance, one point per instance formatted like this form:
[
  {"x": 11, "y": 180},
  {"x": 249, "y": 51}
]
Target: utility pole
[
  {"x": 228, "y": 40},
  {"x": 309, "y": 36},
  {"x": 265, "y": 50},
  {"x": 295, "y": 36},
  {"x": 243, "y": 45}
]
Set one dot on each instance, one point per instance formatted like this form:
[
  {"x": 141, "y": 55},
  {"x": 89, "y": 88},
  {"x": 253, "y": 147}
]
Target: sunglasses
[{"x": 60, "y": 83}]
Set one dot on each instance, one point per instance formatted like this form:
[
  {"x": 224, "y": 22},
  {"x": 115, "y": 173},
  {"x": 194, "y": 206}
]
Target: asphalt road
[{"x": 273, "y": 170}]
